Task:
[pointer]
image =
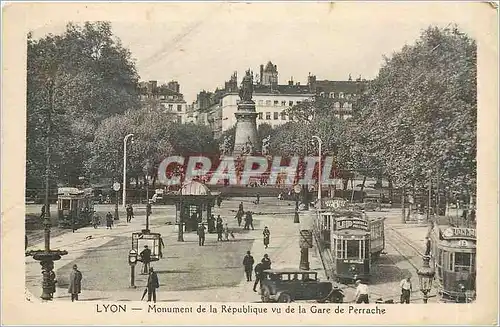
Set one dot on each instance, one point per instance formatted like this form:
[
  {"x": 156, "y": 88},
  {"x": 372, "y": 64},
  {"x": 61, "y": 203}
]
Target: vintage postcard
[{"x": 250, "y": 163}]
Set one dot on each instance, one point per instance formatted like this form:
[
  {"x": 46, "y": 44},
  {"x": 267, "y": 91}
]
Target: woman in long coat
[{"x": 75, "y": 283}]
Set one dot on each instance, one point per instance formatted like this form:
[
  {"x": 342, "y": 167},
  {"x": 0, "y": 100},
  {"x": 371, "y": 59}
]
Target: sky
[{"x": 201, "y": 45}]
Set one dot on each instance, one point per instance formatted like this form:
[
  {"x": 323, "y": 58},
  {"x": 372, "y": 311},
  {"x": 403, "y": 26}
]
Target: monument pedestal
[{"x": 245, "y": 140}]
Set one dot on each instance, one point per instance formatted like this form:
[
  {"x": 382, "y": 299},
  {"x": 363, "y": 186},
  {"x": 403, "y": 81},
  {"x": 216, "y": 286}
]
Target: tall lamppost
[
  {"x": 146, "y": 169},
  {"x": 425, "y": 276},
  {"x": 297, "y": 189},
  {"x": 47, "y": 256},
  {"x": 124, "y": 197},
  {"x": 319, "y": 168}
]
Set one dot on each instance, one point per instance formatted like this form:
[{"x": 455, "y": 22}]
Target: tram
[
  {"x": 75, "y": 207},
  {"x": 353, "y": 239},
  {"x": 453, "y": 252}
]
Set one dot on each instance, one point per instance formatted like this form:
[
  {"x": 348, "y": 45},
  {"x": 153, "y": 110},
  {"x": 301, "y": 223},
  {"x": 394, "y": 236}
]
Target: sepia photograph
[{"x": 320, "y": 158}]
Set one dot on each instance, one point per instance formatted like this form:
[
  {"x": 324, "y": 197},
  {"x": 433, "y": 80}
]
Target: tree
[
  {"x": 419, "y": 114},
  {"x": 74, "y": 80}
]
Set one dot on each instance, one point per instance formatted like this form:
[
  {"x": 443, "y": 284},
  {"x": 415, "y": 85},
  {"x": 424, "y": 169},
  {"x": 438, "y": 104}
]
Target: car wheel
[{"x": 285, "y": 298}]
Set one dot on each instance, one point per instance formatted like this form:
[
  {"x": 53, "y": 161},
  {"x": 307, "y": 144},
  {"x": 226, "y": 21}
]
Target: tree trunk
[
  {"x": 391, "y": 191},
  {"x": 362, "y": 189},
  {"x": 403, "y": 218}
]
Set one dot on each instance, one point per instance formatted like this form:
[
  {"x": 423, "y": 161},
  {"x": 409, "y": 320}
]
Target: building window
[
  {"x": 276, "y": 102},
  {"x": 260, "y": 115},
  {"x": 170, "y": 97},
  {"x": 261, "y": 102},
  {"x": 268, "y": 116},
  {"x": 170, "y": 106},
  {"x": 162, "y": 97},
  {"x": 346, "y": 105},
  {"x": 341, "y": 95},
  {"x": 179, "y": 107},
  {"x": 268, "y": 102},
  {"x": 332, "y": 95},
  {"x": 337, "y": 104},
  {"x": 290, "y": 103},
  {"x": 283, "y": 103},
  {"x": 179, "y": 119},
  {"x": 298, "y": 102},
  {"x": 276, "y": 115},
  {"x": 283, "y": 115},
  {"x": 322, "y": 94}
]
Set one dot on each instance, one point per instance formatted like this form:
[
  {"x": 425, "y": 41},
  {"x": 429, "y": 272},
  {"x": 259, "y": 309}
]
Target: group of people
[
  {"x": 362, "y": 292},
  {"x": 264, "y": 264},
  {"x": 223, "y": 231}
]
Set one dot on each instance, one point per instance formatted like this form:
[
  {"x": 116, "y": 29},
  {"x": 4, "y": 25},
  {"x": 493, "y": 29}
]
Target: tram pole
[{"x": 124, "y": 194}]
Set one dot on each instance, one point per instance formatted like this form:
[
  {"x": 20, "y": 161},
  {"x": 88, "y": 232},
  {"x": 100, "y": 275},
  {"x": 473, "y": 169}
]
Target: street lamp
[
  {"x": 146, "y": 169},
  {"x": 319, "y": 169},
  {"x": 425, "y": 277},
  {"x": 124, "y": 198},
  {"x": 297, "y": 188},
  {"x": 132, "y": 260}
]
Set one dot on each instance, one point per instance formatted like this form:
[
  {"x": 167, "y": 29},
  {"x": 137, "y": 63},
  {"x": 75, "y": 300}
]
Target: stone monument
[{"x": 245, "y": 139}]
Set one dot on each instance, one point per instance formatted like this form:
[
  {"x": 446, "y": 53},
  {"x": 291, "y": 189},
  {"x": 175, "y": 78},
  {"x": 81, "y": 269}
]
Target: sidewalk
[{"x": 283, "y": 250}]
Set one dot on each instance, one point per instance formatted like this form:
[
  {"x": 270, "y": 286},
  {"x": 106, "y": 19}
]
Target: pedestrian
[
  {"x": 427, "y": 246},
  {"x": 201, "y": 234},
  {"x": 248, "y": 265},
  {"x": 220, "y": 229},
  {"x": 42, "y": 213},
  {"x": 109, "y": 221},
  {"x": 258, "y": 199},
  {"x": 259, "y": 270},
  {"x": 152, "y": 285},
  {"x": 130, "y": 213},
  {"x": 240, "y": 207},
  {"x": 361, "y": 295},
  {"x": 146, "y": 259},
  {"x": 96, "y": 221},
  {"x": 75, "y": 283},
  {"x": 219, "y": 201},
  {"x": 250, "y": 220},
  {"x": 25, "y": 242},
  {"x": 52, "y": 282},
  {"x": 211, "y": 224},
  {"x": 226, "y": 232},
  {"x": 266, "y": 234},
  {"x": 406, "y": 289},
  {"x": 160, "y": 248},
  {"x": 266, "y": 262}
]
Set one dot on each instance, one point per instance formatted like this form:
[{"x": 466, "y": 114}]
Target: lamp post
[
  {"x": 297, "y": 188},
  {"x": 146, "y": 169},
  {"x": 132, "y": 260},
  {"x": 47, "y": 256},
  {"x": 124, "y": 197},
  {"x": 425, "y": 277},
  {"x": 319, "y": 168}
]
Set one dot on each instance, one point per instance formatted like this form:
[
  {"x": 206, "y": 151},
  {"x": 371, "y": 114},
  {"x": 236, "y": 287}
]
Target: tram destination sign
[
  {"x": 459, "y": 233},
  {"x": 351, "y": 223}
]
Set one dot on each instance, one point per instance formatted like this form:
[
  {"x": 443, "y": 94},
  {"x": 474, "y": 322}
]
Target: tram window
[
  {"x": 462, "y": 261},
  {"x": 65, "y": 204},
  {"x": 367, "y": 248},
  {"x": 339, "y": 248},
  {"x": 451, "y": 258},
  {"x": 473, "y": 261},
  {"x": 352, "y": 249}
]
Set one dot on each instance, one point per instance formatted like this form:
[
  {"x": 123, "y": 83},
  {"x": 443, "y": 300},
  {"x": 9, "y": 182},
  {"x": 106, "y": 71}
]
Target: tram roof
[
  {"x": 288, "y": 271},
  {"x": 351, "y": 232}
]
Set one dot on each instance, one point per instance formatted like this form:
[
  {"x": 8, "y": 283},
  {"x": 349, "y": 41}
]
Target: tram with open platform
[
  {"x": 353, "y": 240},
  {"x": 453, "y": 252},
  {"x": 75, "y": 207}
]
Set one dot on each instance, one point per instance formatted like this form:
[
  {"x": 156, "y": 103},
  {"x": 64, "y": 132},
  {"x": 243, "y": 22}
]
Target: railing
[{"x": 324, "y": 254}]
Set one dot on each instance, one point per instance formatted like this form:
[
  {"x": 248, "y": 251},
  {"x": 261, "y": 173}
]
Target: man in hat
[
  {"x": 146, "y": 259},
  {"x": 75, "y": 283},
  {"x": 266, "y": 262},
  {"x": 266, "y": 234},
  {"x": 248, "y": 265},
  {"x": 406, "y": 289},
  {"x": 153, "y": 284},
  {"x": 361, "y": 295},
  {"x": 201, "y": 234}
]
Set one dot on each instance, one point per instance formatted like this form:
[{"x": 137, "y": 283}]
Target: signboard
[
  {"x": 116, "y": 186},
  {"x": 334, "y": 203},
  {"x": 152, "y": 240},
  {"x": 351, "y": 223},
  {"x": 306, "y": 239},
  {"x": 459, "y": 233}
]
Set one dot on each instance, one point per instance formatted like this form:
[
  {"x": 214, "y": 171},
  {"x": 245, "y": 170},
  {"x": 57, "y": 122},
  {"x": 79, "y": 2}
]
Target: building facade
[{"x": 168, "y": 97}]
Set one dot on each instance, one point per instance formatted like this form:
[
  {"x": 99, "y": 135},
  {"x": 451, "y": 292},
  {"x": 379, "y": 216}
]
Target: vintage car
[{"x": 287, "y": 285}]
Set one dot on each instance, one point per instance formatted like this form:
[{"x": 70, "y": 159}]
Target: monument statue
[
  {"x": 225, "y": 146},
  {"x": 265, "y": 145},
  {"x": 248, "y": 147},
  {"x": 246, "y": 89}
]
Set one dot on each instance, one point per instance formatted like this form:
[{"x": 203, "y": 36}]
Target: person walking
[
  {"x": 361, "y": 295},
  {"x": 146, "y": 259},
  {"x": 109, "y": 221},
  {"x": 75, "y": 283},
  {"x": 250, "y": 220},
  {"x": 226, "y": 232},
  {"x": 201, "y": 234},
  {"x": 160, "y": 248},
  {"x": 240, "y": 207},
  {"x": 427, "y": 246},
  {"x": 239, "y": 216},
  {"x": 266, "y": 262},
  {"x": 130, "y": 213},
  {"x": 258, "y": 199},
  {"x": 267, "y": 235},
  {"x": 406, "y": 289},
  {"x": 220, "y": 229},
  {"x": 248, "y": 262},
  {"x": 96, "y": 221},
  {"x": 152, "y": 285},
  {"x": 259, "y": 270}
]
